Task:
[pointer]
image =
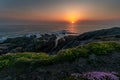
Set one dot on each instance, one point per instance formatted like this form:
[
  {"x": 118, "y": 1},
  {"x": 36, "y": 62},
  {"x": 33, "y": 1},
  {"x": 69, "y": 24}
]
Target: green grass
[
  {"x": 102, "y": 48},
  {"x": 28, "y": 59}
]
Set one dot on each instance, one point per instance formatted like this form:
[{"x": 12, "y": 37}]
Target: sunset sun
[{"x": 73, "y": 22}]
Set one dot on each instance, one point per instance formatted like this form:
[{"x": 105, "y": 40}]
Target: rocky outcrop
[
  {"x": 103, "y": 32},
  {"x": 52, "y": 43},
  {"x": 112, "y": 34},
  {"x": 46, "y": 43}
]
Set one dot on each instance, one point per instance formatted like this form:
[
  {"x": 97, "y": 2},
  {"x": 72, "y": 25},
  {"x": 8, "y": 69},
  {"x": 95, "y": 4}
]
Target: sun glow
[
  {"x": 73, "y": 22},
  {"x": 71, "y": 17}
]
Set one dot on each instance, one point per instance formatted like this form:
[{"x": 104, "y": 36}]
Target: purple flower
[{"x": 100, "y": 76}]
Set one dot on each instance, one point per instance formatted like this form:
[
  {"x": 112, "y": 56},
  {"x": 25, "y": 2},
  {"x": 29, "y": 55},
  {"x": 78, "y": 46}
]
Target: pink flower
[{"x": 100, "y": 76}]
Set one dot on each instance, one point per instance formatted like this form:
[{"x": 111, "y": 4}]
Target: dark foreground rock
[{"x": 46, "y": 43}]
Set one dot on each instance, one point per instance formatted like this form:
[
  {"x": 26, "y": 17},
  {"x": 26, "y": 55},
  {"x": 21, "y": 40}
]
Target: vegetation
[
  {"x": 28, "y": 59},
  {"x": 94, "y": 76},
  {"x": 102, "y": 48}
]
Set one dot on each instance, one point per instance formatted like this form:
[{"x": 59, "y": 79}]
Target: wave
[{"x": 59, "y": 34}]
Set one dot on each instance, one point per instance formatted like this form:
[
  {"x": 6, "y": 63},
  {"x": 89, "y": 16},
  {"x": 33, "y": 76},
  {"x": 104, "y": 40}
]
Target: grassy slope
[{"x": 34, "y": 60}]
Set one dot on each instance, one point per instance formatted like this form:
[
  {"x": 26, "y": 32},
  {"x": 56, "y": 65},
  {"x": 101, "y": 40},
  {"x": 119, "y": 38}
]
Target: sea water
[{"x": 20, "y": 30}]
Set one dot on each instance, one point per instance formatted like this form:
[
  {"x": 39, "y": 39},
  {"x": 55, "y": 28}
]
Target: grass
[
  {"x": 28, "y": 59},
  {"x": 102, "y": 48}
]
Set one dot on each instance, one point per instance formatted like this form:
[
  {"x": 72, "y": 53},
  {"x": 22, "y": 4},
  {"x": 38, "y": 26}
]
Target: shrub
[
  {"x": 66, "y": 55},
  {"x": 72, "y": 54},
  {"x": 40, "y": 56},
  {"x": 4, "y": 63},
  {"x": 102, "y": 48},
  {"x": 22, "y": 58}
]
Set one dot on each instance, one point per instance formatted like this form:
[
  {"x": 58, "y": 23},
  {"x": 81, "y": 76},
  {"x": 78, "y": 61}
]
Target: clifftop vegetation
[{"x": 67, "y": 55}]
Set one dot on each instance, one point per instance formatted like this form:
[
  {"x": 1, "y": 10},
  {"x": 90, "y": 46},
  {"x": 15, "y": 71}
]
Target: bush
[
  {"x": 22, "y": 58},
  {"x": 102, "y": 48},
  {"x": 72, "y": 54},
  {"x": 4, "y": 63}
]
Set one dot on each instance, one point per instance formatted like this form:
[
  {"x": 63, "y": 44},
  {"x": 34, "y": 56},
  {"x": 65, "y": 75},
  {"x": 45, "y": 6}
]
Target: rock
[
  {"x": 47, "y": 42},
  {"x": 103, "y": 32},
  {"x": 8, "y": 78}
]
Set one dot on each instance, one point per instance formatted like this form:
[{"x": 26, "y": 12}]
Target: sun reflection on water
[{"x": 72, "y": 29}]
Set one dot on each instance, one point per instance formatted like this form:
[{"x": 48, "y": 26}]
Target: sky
[{"x": 27, "y": 11}]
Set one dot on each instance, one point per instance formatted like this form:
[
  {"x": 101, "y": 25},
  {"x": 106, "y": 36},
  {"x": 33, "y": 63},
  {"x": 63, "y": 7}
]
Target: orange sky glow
[{"x": 64, "y": 10}]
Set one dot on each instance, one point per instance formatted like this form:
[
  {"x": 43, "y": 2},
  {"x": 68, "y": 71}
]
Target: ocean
[{"x": 20, "y": 30}]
